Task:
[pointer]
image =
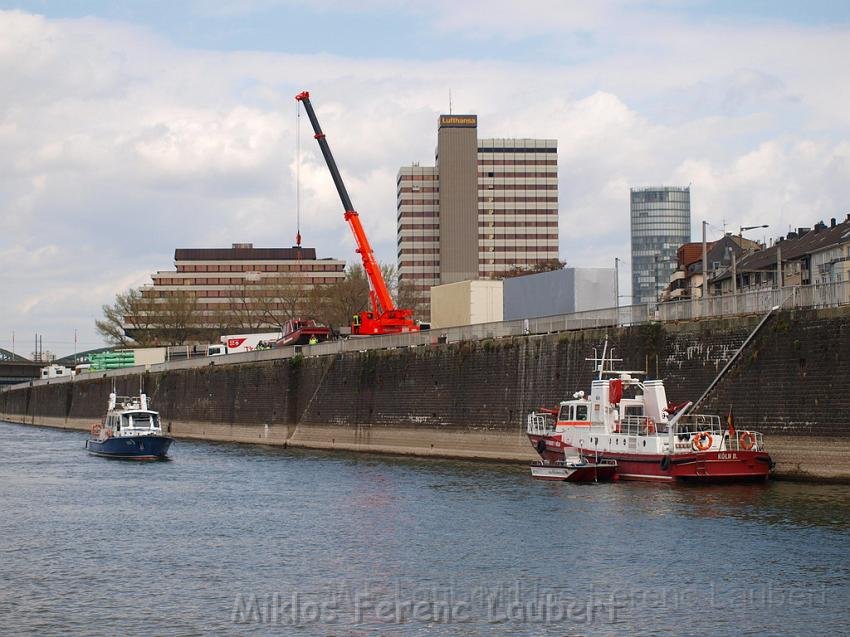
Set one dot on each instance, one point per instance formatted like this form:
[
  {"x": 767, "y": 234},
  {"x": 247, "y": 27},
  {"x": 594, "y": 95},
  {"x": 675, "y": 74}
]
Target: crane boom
[{"x": 385, "y": 317}]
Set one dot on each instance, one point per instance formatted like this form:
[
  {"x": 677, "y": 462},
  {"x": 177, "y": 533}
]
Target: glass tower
[{"x": 661, "y": 222}]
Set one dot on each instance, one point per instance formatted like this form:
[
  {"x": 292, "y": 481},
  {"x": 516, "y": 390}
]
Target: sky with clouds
[{"x": 130, "y": 129}]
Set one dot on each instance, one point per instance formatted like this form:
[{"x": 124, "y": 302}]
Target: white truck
[
  {"x": 233, "y": 343},
  {"x": 56, "y": 371}
]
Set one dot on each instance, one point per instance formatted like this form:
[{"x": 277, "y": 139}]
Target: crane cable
[{"x": 298, "y": 173}]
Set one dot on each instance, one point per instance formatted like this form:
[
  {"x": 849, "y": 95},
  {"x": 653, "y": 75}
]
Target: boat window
[
  {"x": 581, "y": 412},
  {"x": 634, "y": 410},
  {"x": 141, "y": 420},
  {"x": 564, "y": 414}
]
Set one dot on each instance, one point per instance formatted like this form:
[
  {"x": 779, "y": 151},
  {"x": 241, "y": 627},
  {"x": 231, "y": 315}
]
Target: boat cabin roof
[
  {"x": 576, "y": 401},
  {"x": 133, "y": 412},
  {"x": 134, "y": 418}
]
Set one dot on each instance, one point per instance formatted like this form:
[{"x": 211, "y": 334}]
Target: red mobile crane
[{"x": 385, "y": 317}]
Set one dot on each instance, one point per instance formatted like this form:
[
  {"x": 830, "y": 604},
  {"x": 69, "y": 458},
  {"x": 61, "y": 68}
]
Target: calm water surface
[{"x": 245, "y": 540}]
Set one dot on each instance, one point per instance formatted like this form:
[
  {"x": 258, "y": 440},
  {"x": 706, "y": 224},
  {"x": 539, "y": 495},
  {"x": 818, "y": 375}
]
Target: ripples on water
[{"x": 231, "y": 539}]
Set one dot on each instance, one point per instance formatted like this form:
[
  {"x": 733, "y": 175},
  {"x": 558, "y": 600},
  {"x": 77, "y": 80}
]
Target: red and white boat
[{"x": 629, "y": 420}]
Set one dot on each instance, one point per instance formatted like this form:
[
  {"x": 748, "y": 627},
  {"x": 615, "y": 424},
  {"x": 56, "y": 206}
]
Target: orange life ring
[
  {"x": 95, "y": 429},
  {"x": 747, "y": 440},
  {"x": 648, "y": 426},
  {"x": 699, "y": 441}
]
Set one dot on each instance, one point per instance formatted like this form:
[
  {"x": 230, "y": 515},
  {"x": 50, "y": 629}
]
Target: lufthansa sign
[{"x": 458, "y": 121}]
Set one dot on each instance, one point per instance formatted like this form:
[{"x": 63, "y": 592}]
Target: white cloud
[{"x": 117, "y": 146}]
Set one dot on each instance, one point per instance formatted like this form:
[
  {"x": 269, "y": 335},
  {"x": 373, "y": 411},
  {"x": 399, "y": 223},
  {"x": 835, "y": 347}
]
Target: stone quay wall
[{"x": 469, "y": 399}]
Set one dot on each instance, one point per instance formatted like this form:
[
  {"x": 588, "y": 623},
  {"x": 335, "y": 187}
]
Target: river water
[{"x": 244, "y": 540}]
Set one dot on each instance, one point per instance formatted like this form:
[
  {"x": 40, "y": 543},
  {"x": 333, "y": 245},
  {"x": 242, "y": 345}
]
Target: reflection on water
[{"x": 234, "y": 539}]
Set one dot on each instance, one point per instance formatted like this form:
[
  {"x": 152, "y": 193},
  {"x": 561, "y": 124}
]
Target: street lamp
[
  {"x": 660, "y": 270},
  {"x": 734, "y": 264},
  {"x": 744, "y": 228},
  {"x": 617, "y": 282}
]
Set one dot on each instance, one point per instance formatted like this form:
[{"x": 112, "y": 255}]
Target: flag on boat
[{"x": 730, "y": 422}]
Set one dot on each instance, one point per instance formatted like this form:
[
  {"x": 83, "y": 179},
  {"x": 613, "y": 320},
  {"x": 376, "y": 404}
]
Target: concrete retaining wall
[{"x": 469, "y": 399}]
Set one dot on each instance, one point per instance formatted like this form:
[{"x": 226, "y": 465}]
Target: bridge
[
  {"x": 71, "y": 360},
  {"x": 14, "y": 368},
  {"x": 10, "y": 357},
  {"x": 17, "y": 369}
]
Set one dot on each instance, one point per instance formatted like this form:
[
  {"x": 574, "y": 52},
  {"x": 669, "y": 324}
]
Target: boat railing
[
  {"x": 639, "y": 426},
  {"x": 128, "y": 402},
  {"x": 684, "y": 426},
  {"x": 744, "y": 441},
  {"x": 740, "y": 440},
  {"x": 576, "y": 462},
  {"x": 697, "y": 423},
  {"x": 540, "y": 424}
]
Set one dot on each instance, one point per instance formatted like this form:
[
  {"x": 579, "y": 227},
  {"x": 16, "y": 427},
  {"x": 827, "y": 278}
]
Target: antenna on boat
[
  {"x": 599, "y": 362},
  {"x": 602, "y": 363},
  {"x": 113, "y": 397}
]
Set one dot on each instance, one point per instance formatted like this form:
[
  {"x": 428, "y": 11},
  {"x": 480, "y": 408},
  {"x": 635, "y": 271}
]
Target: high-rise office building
[
  {"x": 418, "y": 231},
  {"x": 487, "y": 206},
  {"x": 661, "y": 222}
]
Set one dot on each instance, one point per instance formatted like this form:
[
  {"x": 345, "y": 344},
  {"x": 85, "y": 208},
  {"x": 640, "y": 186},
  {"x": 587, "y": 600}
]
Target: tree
[
  {"x": 127, "y": 322},
  {"x": 218, "y": 321},
  {"x": 541, "y": 266},
  {"x": 411, "y": 299},
  {"x": 279, "y": 300},
  {"x": 246, "y": 312},
  {"x": 390, "y": 273},
  {"x": 135, "y": 320},
  {"x": 335, "y": 304},
  {"x": 177, "y": 318}
]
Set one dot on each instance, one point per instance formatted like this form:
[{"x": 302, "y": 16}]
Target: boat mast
[{"x": 602, "y": 364}]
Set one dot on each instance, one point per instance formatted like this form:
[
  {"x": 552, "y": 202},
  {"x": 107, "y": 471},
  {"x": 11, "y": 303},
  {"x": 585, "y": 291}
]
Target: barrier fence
[
  {"x": 757, "y": 301},
  {"x": 750, "y": 302}
]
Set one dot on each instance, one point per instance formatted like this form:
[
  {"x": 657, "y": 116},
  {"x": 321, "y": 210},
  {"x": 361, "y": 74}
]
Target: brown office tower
[
  {"x": 457, "y": 175},
  {"x": 489, "y": 206}
]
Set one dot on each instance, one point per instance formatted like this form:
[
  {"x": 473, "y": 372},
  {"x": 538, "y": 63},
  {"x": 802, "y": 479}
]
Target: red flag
[{"x": 730, "y": 421}]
